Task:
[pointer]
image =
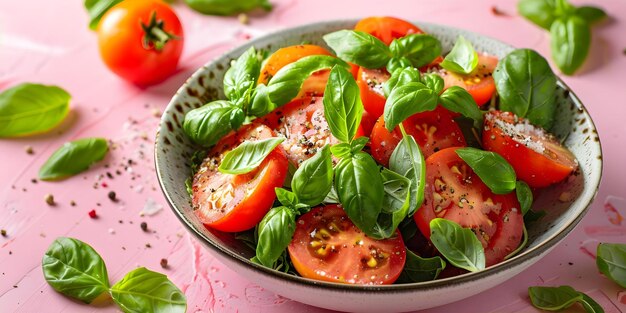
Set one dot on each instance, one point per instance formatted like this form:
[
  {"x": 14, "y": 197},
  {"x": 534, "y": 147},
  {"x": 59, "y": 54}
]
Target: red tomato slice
[
  {"x": 433, "y": 131},
  {"x": 327, "y": 246},
  {"x": 537, "y": 156},
  {"x": 454, "y": 192},
  {"x": 479, "y": 84},
  {"x": 370, "y": 84},
  {"x": 386, "y": 28},
  {"x": 235, "y": 203}
]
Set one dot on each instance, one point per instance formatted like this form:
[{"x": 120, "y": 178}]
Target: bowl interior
[{"x": 565, "y": 203}]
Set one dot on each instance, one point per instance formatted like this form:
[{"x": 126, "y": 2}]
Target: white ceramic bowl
[{"x": 173, "y": 150}]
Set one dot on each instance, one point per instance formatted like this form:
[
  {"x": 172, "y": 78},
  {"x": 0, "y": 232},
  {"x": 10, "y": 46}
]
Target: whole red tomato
[{"x": 141, "y": 40}]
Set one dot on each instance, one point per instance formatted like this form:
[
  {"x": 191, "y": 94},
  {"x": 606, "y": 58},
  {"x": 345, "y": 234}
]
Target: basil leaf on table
[
  {"x": 491, "y": 167},
  {"x": 463, "y": 59},
  {"x": 75, "y": 269},
  {"x": 396, "y": 202},
  {"x": 227, "y": 7},
  {"x": 524, "y": 196},
  {"x": 73, "y": 157},
  {"x": 343, "y": 108},
  {"x": 207, "y": 124},
  {"x": 553, "y": 298},
  {"x": 401, "y": 77},
  {"x": 591, "y": 14},
  {"x": 96, "y": 9},
  {"x": 590, "y": 305},
  {"x": 398, "y": 63},
  {"x": 611, "y": 261},
  {"x": 242, "y": 75},
  {"x": 419, "y": 49},
  {"x": 408, "y": 160},
  {"x": 142, "y": 290},
  {"x": 434, "y": 82},
  {"x": 540, "y": 12},
  {"x": 359, "y": 48},
  {"x": 457, "y": 99},
  {"x": 28, "y": 109},
  {"x": 407, "y": 100},
  {"x": 275, "y": 231},
  {"x": 418, "y": 269},
  {"x": 570, "y": 40},
  {"x": 314, "y": 178},
  {"x": 458, "y": 245},
  {"x": 248, "y": 156}
]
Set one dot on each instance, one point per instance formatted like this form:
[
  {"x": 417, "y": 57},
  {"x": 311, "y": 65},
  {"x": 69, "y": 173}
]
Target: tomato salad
[{"x": 360, "y": 162}]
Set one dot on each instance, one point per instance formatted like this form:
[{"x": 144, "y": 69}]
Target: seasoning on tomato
[
  {"x": 479, "y": 83},
  {"x": 370, "y": 84},
  {"x": 141, "y": 41}
]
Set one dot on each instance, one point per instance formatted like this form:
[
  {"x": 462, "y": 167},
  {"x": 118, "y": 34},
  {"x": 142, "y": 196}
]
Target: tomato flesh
[
  {"x": 328, "y": 246},
  {"x": 386, "y": 28},
  {"x": 479, "y": 83},
  {"x": 370, "y": 84}
]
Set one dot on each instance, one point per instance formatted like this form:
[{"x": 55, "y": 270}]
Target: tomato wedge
[
  {"x": 370, "y": 84},
  {"x": 386, "y": 28},
  {"x": 454, "y": 192},
  {"x": 235, "y": 203},
  {"x": 327, "y": 246},
  {"x": 479, "y": 83},
  {"x": 537, "y": 157}
]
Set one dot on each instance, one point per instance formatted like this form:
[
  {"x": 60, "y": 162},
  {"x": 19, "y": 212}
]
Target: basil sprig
[
  {"x": 458, "y": 245},
  {"x": 491, "y": 167},
  {"x": 73, "y": 157},
  {"x": 248, "y": 156},
  {"x": 434, "y": 82},
  {"x": 560, "y": 298},
  {"x": 142, "y": 290},
  {"x": 400, "y": 77},
  {"x": 418, "y": 269},
  {"x": 611, "y": 261}
]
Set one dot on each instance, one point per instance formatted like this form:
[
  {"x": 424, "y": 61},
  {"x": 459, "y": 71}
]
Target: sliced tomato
[
  {"x": 386, "y": 28},
  {"x": 370, "y": 84},
  {"x": 537, "y": 157},
  {"x": 479, "y": 83},
  {"x": 328, "y": 246},
  {"x": 454, "y": 192},
  {"x": 432, "y": 130},
  {"x": 235, "y": 203}
]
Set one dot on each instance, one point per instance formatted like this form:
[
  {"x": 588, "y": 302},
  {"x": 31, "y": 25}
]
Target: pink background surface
[{"x": 49, "y": 42}]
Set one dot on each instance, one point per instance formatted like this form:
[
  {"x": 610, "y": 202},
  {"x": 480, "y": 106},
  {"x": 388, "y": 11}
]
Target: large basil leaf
[
  {"x": 208, "y": 124},
  {"x": 314, "y": 178},
  {"x": 343, "y": 108},
  {"x": 462, "y": 59},
  {"x": 396, "y": 201},
  {"x": 75, "y": 269},
  {"x": 401, "y": 77},
  {"x": 142, "y": 290},
  {"x": 526, "y": 86},
  {"x": 419, "y": 49},
  {"x": 570, "y": 40},
  {"x": 227, "y": 7},
  {"x": 73, "y": 157},
  {"x": 491, "y": 167},
  {"x": 248, "y": 156},
  {"x": 28, "y": 109},
  {"x": 611, "y": 261},
  {"x": 407, "y": 160},
  {"x": 407, "y": 100},
  {"x": 524, "y": 196},
  {"x": 591, "y": 14},
  {"x": 359, "y": 48},
  {"x": 553, "y": 298},
  {"x": 458, "y": 245},
  {"x": 286, "y": 197},
  {"x": 590, "y": 305},
  {"x": 540, "y": 12},
  {"x": 418, "y": 269},
  {"x": 96, "y": 9},
  {"x": 275, "y": 232},
  {"x": 241, "y": 77},
  {"x": 457, "y": 99}
]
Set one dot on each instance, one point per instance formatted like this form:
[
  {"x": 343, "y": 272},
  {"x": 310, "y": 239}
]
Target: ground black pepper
[{"x": 144, "y": 226}]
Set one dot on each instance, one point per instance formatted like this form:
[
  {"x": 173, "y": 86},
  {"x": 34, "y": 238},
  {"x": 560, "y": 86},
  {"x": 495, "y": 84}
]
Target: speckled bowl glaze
[{"x": 565, "y": 203}]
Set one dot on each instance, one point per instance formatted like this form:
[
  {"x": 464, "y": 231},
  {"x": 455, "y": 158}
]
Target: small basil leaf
[
  {"x": 457, "y": 99},
  {"x": 206, "y": 125},
  {"x": 73, "y": 157},
  {"x": 276, "y": 230},
  {"x": 287, "y": 82},
  {"x": 458, "y": 245},
  {"x": 408, "y": 229},
  {"x": 314, "y": 178},
  {"x": 418, "y": 269},
  {"x": 611, "y": 261},
  {"x": 491, "y": 167},
  {"x": 570, "y": 40},
  {"x": 396, "y": 201},
  {"x": 248, "y": 156},
  {"x": 524, "y": 196},
  {"x": 28, "y": 109},
  {"x": 540, "y": 12},
  {"x": 261, "y": 102},
  {"x": 343, "y": 108},
  {"x": 407, "y": 160},
  {"x": 434, "y": 82},
  {"x": 359, "y": 48},
  {"x": 142, "y": 290},
  {"x": 75, "y": 269},
  {"x": 242, "y": 75},
  {"x": 401, "y": 77},
  {"x": 533, "y": 216},
  {"x": 526, "y": 86},
  {"x": 360, "y": 190},
  {"x": 590, "y": 305},
  {"x": 286, "y": 197},
  {"x": 398, "y": 63},
  {"x": 96, "y": 9},
  {"x": 341, "y": 150},
  {"x": 358, "y": 144},
  {"x": 227, "y": 7},
  {"x": 553, "y": 298},
  {"x": 591, "y": 14},
  {"x": 419, "y": 49},
  {"x": 463, "y": 59},
  {"x": 291, "y": 170},
  {"x": 407, "y": 100}
]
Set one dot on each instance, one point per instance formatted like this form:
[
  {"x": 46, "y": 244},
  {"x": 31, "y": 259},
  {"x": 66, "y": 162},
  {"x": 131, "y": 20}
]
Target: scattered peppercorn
[
  {"x": 498, "y": 12},
  {"x": 112, "y": 196},
  {"x": 29, "y": 150},
  {"x": 49, "y": 199},
  {"x": 144, "y": 226},
  {"x": 34, "y": 181},
  {"x": 93, "y": 214},
  {"x": 73, "y": 203},
  {"x": 3, "y": 232},
  {"x": 164, "y": 263},
  {"x": 109, "y": 175},
  {"x": 148, "y": 245}
]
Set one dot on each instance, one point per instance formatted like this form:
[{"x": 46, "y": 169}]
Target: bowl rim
[{"x": 548, "y": 244}]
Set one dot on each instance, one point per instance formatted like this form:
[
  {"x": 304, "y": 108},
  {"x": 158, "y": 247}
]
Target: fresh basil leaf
[
  {"x": 343, "y": 108},
  {"x": 457, "y": 99},
  {"x": 540, "y": 12},
  {"x": 227, "y": 7},
  {"x": 407, "y": 100},
  {"x": 359, "y": 48},
  {"x": 96, "y": 9},
  {"x": 28, "y": 109},
  {"x": 491, "y": 167},
  {"x": 570, "y": 40},
  {"x": 75, "y": 269},
  {"x": 398, "y": 63},
  {"x": 408, "y": 229},
  {"x": 248, "y": 156},
  {"x": 418, "y": 269},
  {"x": 401, "y": 77},
  {"x": 396, "y": 201},
  {"x": 611, "y": 261},
  {"x": 261, "y": 102},
  {"x": 286, "y": 197},
  {"x": 73, "y": 157},
  {"x": 358, "y": 144},
  {"x": 533, "y": 216},
  {"x": 276, "y": 230},
  {"x": 407, "y": 160},
  {"x": 287, "y": 82},
  {"x": 434, "y": 82},
  {"x": 524, "y": 196},
  {"x": 360, "y": 190},
  {"x": 206, "y": 125},
  {"x": 553, "y": 298},
  {"x": 142, "y": 290},
  {"x": 591, "y": 14},
  {"x": 331, "y": 197},
  {"x": 463, "y": 59},
  {"x": 458, "y": 245},
  {"x": 526, "y": 86},
  {"x": 563, "y": 8},
  {"x": 314, "y": 178},
  {"x": 242, "y": 75},
  {"x": 420, "y": 49},
  {"x": 341, "y": 150},
  {"x": 590, "y": 305}
]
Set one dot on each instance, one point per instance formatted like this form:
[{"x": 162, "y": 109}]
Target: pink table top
[{"x": 49, "y": 42}]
